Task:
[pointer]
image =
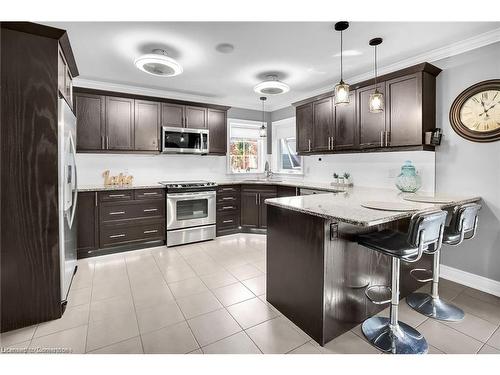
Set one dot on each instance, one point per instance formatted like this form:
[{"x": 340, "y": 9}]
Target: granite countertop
[
  {"x": 346, "y": 206},
  {"x": 83, "y": 188}
]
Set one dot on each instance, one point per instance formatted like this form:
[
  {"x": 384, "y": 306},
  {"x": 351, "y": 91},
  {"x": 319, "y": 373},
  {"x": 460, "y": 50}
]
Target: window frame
[
  {"x": 254, "y": 125},
  {"x": 276, "y": 148}
]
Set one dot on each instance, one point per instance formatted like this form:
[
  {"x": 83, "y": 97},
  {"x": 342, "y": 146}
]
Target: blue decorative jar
[{"x": 408, "y": 180}]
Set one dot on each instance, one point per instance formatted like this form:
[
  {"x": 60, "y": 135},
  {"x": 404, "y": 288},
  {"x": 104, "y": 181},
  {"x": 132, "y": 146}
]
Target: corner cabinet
[
  {"x": 253, "y": 207},
  {"x": 410, "y": 111},
  {"x": 124, "y": 123}
]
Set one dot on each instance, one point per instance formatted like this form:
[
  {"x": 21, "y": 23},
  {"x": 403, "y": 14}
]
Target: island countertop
[{"x": 346, "y": 206}]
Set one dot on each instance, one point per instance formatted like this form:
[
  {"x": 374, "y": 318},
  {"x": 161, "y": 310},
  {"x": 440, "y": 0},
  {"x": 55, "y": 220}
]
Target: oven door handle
[{"x": 191, "y": 196}]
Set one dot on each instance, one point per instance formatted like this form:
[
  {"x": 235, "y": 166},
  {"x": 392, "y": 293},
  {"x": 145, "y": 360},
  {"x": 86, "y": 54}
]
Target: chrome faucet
[{"x": 267, "y": 170}]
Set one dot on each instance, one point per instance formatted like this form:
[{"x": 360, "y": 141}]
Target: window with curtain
[{"x": 246, "y": 147}]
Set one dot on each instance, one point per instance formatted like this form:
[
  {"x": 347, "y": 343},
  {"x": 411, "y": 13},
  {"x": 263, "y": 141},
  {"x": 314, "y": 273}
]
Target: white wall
[{"x": 469, "y": 167}]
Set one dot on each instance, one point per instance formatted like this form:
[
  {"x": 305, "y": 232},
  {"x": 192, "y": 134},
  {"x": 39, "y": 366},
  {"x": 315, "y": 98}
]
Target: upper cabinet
[
  {"x": 110, "y": 122},
  {"x": 64, "y": 78},
  {"x": 410, "y": 111}
]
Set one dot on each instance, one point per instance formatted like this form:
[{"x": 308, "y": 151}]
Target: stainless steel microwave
[{"x": 184, "y": 141}]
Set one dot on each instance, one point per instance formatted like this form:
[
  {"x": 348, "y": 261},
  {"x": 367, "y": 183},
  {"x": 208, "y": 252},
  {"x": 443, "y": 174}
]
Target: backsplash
[{"x": 372, "y": 169}]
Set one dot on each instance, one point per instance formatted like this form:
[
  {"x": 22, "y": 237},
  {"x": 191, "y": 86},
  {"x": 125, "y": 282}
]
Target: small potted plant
[
  {"x": 335, "y": 178},
  {"x": 347, "y": 176}
]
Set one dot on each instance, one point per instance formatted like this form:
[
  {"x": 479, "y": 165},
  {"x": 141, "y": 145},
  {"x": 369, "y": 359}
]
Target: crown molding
[
  {"x": 457, "y": 48},
  {"x": 450, "y": 50}
]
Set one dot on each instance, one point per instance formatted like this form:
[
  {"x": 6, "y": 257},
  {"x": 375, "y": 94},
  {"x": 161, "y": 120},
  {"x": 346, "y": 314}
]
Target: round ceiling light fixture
[
  {"x": 158, "y": 64},
  {"x": 271, "y": 86}
]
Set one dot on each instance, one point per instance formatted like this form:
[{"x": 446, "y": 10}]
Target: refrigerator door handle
[{"x": 75, "y": 195}]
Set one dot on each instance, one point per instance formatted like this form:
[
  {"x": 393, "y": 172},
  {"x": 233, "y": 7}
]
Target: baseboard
[{"x": 471, "y": 280}]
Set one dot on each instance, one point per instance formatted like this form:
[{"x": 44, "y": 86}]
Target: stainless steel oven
[
  {"x": 184, "y": 141},
  {"x": 190, "y": 212}
]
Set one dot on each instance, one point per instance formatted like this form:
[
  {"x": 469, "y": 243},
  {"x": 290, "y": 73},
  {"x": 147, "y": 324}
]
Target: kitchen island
[{"x": 317, "y": 273}]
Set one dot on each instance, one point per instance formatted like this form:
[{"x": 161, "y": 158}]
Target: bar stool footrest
[
  {"x": 422, "y": 275},
  {"x": 374, "y": 292}
]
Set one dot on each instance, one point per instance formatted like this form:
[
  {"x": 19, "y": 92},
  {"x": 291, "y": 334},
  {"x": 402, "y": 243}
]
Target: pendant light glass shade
[
  {"x": 376, "y": 101},
  {"x": 341, "y": 93},
  {"x": 263, "y": 129},
  {"x": 341, "y": 90}
]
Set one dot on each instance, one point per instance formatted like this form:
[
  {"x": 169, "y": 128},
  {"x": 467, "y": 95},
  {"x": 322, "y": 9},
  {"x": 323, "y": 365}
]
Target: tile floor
[{"x": 210, "y": 298}]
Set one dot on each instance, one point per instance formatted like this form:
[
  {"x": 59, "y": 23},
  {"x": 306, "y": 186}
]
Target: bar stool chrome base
[
  {"x": 399, "y": 339},
  {"x": 434, "y": 307}
]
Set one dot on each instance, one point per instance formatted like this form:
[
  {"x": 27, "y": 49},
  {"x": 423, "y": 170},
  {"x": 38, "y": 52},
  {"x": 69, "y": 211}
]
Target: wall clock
[{"x": 475, "y": 113}]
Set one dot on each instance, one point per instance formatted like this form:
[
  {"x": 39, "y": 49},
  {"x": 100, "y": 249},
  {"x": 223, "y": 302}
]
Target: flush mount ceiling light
[
  {"x": 271, "y": 86},
  {"x": 158, "y": 64},
  {"x": 377, "y": 98},
  {"x": 263, "y": 130},
  {"x": 341, "y": 91}
]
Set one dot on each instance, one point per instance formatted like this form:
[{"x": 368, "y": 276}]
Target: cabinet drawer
[
  {"x": 228, "y": 189},
  {"x": 117, "y": 211},
  {"x": 228, "y": 207},
  {"x": 149, "y": 194},
  {"x": 118, "y": 195},
  {"x": 228, "y": 199},
  {"x": 122, "y": 234},
  {"x": 259, "y": 188},
  {"x": 228, "y": 220}
]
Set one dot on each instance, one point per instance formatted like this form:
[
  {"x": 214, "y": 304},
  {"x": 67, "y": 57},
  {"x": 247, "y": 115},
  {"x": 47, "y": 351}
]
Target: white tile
[
  {"x": 219, "y": 279},
  {"x": 198, "y": 304},
  {"x": 154, "y": 318},
  {"x": 257, "y": 285},
  {"x": 213, "y": 326},
  {"x": 239, "y": 343},
  {"x": 349, "y": 343},
  {"x": 447, "y": 339},
  {"x": 276, "y": 337},
  {"x": 72, "y": 317},
  {"x": 234, "y": 293},
  {"x": 244, "y": 272},
  {"x": 178, "y": 273},
  {"x": 108, "y": 308},
  {"x": 307, "y": 348},
  {"x": 106, "y": 332},
  {"x": 152, "y": 296},
  {"x": 485, "y": 310},
  {"x": 175, "y": 339},
  {"x": 111, "y": 288},
  {"x": 251, "y": 312},
  {"x": 79, "y": 297},
  {"x": 475, "y": 327},
  {"x": 70, "y": 340},
  {"x": 486, "y": 349},
  {"x": 130, "y": 346},
  {"x": 495, "y": 339},
  {"x": 17, "y": 336},
  {"x": 187, "y": 287}
]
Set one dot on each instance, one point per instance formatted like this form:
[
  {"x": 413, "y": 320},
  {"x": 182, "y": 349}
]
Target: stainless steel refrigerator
[{"x": 68, "y": 195}]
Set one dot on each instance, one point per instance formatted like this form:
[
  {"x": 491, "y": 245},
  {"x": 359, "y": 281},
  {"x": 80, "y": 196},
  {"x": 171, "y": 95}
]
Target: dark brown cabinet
[
  {"x": 91, "y": 129},
  {"x": 172, "y": 115},
  {"x": 253, "y": 208},
  {"x": 217, "y": 126},
  {"x": 64, "y": 78},
  {"x": 196, "y": 117},
  {"x": 346, "y": 135},
  {"x": 87, "y": 220},
  {"x": 146, "y": 125},
  {"x": 371, "y": 125},
  {"x": 286, "y": 191},
  {"x": 323, "y": 124},
  {"x": 119, "y": 123},
  {"x": 304, "y": 128},
  {"x": 228, "y": 209},
  {"x": 409, "y": 112},
  {"x": 404, "y": 110}
]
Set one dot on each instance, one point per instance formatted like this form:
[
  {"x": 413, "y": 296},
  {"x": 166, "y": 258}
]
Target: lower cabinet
[
  {"x": 228, "y": 209},
  {"x": 253, "y": 208},
  {"x": 125, "y": 217}
]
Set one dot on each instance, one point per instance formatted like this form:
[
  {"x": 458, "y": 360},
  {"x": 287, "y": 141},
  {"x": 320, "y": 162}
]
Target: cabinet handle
[
  {"x": 117, "y": 213},
  {"x": 227, "y": 207},
  {"x": 329, "y": 139},
  {"x": 107, "y": 143},
  {"x": 149, "y": 193},
  {"x": 227, "y": 221},
  {"x": 259, "y": 199},
  {"x": 227, "y": 189},
  {"x": 102, "y": 142},
  {"x": 117, "y": 235},
  {"x": 116, "y": 195},
  {"x": 387, "y": 138},
  {"x": 151, "y": 231},
  {"x": 228, "y": 198},
  {"x": 256, "y": 199},
  {"x": 382, "y": 139},
  {"x": 309, "y": 142},
  {"x": 150, "y": 209},
  {"x": 333, "y": 143},
  {"x": 96, "y": 198}
]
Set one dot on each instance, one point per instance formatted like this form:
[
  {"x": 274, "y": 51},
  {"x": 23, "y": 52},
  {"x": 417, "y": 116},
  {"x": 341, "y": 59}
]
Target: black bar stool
[
  {"x": 463, "y": 225},
  {"x": 424, "y": 233}
]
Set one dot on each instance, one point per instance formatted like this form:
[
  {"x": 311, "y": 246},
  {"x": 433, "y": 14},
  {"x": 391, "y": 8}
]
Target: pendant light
[
  {"x": 341, "y": 91},
  {"x": 377, "y": 98},
  {"x": 263, "y": 129}
]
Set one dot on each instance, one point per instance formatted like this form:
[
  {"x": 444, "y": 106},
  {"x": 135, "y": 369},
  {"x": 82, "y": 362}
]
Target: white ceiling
[{"x": 303, "y": 54}]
